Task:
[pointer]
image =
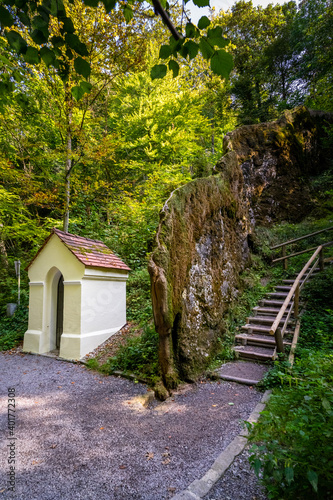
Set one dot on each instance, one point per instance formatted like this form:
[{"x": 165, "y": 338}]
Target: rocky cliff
[{"x": 202, "y": 240}]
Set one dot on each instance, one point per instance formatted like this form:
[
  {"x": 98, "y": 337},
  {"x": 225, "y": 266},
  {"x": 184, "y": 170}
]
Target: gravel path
[{"x": 80, "y": 435}]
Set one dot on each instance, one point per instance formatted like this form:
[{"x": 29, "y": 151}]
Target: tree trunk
[{"x": 68, "y": 169}]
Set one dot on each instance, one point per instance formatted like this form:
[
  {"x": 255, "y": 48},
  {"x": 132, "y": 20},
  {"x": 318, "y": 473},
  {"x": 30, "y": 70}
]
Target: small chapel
[{"x": 77, "y": 296}]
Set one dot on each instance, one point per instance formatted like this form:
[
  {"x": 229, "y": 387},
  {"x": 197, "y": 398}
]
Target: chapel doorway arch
[{"x": 59, "y": 311}]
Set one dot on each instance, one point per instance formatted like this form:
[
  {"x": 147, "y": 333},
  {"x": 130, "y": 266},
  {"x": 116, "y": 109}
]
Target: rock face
[
  {"x": 202, "y": 240},
  {"x": 277, "y": 159}
]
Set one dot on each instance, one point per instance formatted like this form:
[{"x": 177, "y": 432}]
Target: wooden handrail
[
  {"x": 292, "y": 291},
  {"x": 300, "y": 253},
  {"x": 301, "y": 238}
]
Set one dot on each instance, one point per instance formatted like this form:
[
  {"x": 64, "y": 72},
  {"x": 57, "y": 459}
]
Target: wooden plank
[{"x": 301, "y": 238}]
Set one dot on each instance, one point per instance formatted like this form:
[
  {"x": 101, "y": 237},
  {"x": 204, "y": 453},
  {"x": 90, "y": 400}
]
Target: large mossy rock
[
  {"x": 202, "y": 240},
  {"x": 201, "y": 247}
]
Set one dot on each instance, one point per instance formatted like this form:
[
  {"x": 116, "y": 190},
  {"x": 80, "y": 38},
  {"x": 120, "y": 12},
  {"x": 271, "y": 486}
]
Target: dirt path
[{"x": 84, "y": 436}]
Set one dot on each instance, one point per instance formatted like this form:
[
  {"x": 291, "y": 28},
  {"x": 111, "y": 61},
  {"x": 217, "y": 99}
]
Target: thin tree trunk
[{"x": 68, "y": 169}]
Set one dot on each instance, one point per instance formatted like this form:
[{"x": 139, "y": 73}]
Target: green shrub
[
  {"x": 139, "y": 356},
  {"x": 295, "y": 450},
  {"x": 12, "y": 329}
]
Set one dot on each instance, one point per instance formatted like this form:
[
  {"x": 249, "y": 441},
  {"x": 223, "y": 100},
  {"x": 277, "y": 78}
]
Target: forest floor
[{"x": 82, "y": 435}]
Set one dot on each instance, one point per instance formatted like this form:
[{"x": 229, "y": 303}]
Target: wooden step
[
  {"x": 260, "y": 340},
  {"x": 255, "y": 353},
  {"x": 272, "y": 303},
  {"x": 262, "y": 320},
  {"x": 291, "y": 282},
  {"x": 261, "y": 329},
  {"x": 277, "y": 295},
  {"x": 283, "y": 288},
  {"x": 269, "y": 311}
]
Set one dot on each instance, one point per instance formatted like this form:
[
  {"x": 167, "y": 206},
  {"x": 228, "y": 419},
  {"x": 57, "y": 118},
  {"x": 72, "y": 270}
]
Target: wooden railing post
[
  {"x": 296, "y": 302},
  {"x": 321, "y": 260},
  {"x": 285, "y": 261},
  {"x": 279, "y": 341}
]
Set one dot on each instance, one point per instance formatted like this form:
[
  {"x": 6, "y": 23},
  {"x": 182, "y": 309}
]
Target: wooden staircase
[{"x": 255, "y": 342}]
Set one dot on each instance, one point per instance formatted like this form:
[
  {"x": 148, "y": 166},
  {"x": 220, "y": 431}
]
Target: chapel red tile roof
[{"x": 92, "y": 253}]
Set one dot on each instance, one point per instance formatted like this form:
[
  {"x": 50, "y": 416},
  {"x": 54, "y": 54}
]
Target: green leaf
[
  {"x": 257, "y": 466},
  {"x": 174, "y": 67},
  {"x": 77, "y": 92},
  {"x": 165, "y": 52},
  {"x": 214, "y": 32},
  {"x": 16, "y": 41},
  {"x": 203, "y": 22},
  {"x": 313, "y": 478},
  {"x": 191, "y": 31},
  {"x": 215, "y": 37},
  {"x": 109, "y": 4},
  {"x": 47, "y": 55},
  {"x": 206, "y": 50},
  {"x": 175, "y": 45},
  {"x": 91, "y": 3},
  {"x": 289, "y": 474},
  {"x": 128, "y": 12},
  {"x": 39, "y": 37},
  {"x": 39, "y": 23},
  {"x": 56, "y": 7},
  {"x": 74, "y": 43},
  {"x": 192, "y": 48},
  {"x": 183, "y": 51},
  {"x": 57, "y": 41},
  {"x": 6, "y": 18},
  {"x": 82, "y": 67},
  {"x": 326, "y": 404},
  {"x": 86, "y": 86},
  {"x": 24, "y": 19},
  {"x": 201, "y": 3},
  {"x": 158, "y": 71},
  {"x": 31, "y": 56},
  {"x": 68, "y": 25},
  {"x": 222, "y": 63}
]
